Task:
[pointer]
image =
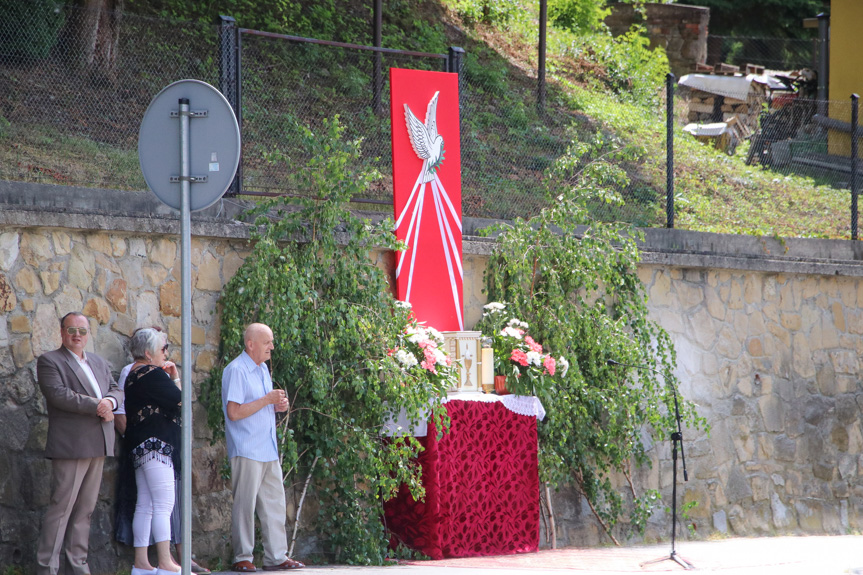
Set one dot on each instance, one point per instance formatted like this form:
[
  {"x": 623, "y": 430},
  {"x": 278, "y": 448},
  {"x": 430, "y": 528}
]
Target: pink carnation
[
  {"x": 532, "y": 344},
  {"x": 429, "y": 366},
  {"x": 519, "y": 357},
  {"x": 549, "y": 364}
]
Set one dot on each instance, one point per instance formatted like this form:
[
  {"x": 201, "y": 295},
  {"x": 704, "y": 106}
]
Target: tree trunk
[{"x": 98, "y": 35}]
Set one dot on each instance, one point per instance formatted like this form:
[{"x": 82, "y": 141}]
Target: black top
[{"x": 152, "y": 413}]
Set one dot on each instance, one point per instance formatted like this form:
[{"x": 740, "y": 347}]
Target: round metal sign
[{"x": 214, "y": 144}]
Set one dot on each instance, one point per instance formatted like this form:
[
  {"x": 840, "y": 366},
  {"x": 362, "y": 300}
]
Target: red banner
[{"x": 427, "y": 194}]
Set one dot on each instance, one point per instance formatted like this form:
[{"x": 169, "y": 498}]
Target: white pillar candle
[{"x": 487, "y": 365}]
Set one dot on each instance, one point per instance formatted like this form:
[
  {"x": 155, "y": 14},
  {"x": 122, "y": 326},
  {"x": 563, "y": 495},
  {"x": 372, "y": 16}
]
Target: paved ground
[{"x": 821, "y": 555}]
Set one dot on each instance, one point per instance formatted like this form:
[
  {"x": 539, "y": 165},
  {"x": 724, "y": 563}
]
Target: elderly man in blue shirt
[{"x": 250, "y": 405}]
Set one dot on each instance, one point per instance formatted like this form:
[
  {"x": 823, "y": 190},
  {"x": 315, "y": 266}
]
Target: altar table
[{"x": 482, "y": 485}]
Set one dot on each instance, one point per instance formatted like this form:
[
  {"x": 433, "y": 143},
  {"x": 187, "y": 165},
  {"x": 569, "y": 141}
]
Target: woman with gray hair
[{"x": 152, "y": 445}]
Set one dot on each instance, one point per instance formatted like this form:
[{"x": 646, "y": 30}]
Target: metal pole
[
  {"x": 228, "y": 68},
  {"x": 669, "y": 150},
  {"x": 455, "y": 63},
  {"x": 855, "y": 107},
  {"x": 540, "y": 73},
  {"x": 186, "y": 295},
  {"x": 823, "y": 62},
  {"x": 377, "y": 73}
]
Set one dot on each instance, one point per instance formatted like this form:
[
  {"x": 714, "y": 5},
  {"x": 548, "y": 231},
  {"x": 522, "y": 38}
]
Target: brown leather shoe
[
  {"x": 244, "y": 567},
  {"x": 284, "y": 566}
]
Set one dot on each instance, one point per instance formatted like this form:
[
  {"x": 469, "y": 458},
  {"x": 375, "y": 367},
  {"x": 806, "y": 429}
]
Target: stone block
[
  {"x": 50, "y": 282},
  {"x": 729, "y": 344},
  {"x": 22, "y": 352},
  {"x": 8, "y": 300},
  {"x": 784, "y": 448},
  {"x": 100, "y": 243},
  {"x": 752, "y": 289},
  {"x": 689, "y": 295},
  {"x": 14, "y": 427},
  {"x": 845, "y": 361},
  {"x": 82, "y": 267},
  {"x": 97, "y": 308},
  {"x": 68, "y": 300},
  {"x": 132, "y": 272},
  {"x": 208, "y": 277},
  {"x": 9, "y": 249},
  {"x": 19, "y": 324},
  {"x": 123, "y": 324},
  {"x": 802, "y": 358},
  {"x": 154, "y": 275},
  {"x": 735, "y": 297},
  {"x": 772, "y": 413},
  {"x": 720, "y": 522},
  {"x": 118, "y": 247},
  {"x": 35, "y": 249},
  {"x": 148, "y": 309},
  {"x": 809, "y": 516},
  {"x": 170, "y": 299},
  {"x": 737, "y": 488},
  {"x": 660, "y": 292},
  {"x": 27, "y": 281},
  {"x": 117, "y": 295},
  {"x": 822, "y": 470},
  {"x": 232, "y": 262},
  {"x": 782, "y": 516},
  {"x": 46, "y": 329},
  {"x": 164, "y": 252},
  {"x": 838, "y": 316}
]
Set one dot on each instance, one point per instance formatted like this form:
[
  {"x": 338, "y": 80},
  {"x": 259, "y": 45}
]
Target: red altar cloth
[{"x": 482, "y": 487}]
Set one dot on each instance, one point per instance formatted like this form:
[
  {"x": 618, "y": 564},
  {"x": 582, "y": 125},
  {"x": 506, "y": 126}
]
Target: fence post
[
  {"x": 540, "y": 72},
  {"x": 855, "y": 101},
  {"x": 229, "y": 80},
  {"x": 823, "y": 61},
  {"x": 377, "y": 73},
  {"x": 455, "y": 64},
  {"x": 669, "y": 150}
]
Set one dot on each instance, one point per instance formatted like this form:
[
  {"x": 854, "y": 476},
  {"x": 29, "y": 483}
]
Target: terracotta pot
[{"x": 500, "y": 385}]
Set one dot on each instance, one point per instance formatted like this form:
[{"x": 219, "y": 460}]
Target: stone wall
[
  {"x": 681, "y": 30},
  {"x": 769, "y": 337}
]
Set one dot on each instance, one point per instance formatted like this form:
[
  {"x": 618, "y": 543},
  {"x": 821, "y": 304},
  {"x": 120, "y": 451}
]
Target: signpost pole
[{"x": 186, "y": 333}]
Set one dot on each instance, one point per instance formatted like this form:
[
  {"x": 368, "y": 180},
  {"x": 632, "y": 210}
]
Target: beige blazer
[{"x": 74, "y": 429}]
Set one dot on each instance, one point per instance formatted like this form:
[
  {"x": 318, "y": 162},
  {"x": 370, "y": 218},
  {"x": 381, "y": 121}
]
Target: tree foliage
[
  {"x": 311, "y": 279},
  {"x": 574, "y": 281},
  {"x": 766, "y": 18}
]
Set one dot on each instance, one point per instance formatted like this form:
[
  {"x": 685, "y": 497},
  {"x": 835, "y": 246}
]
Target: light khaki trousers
[
  {"x": 257, "y": 486},
  {"x": 66, "y": 526}
]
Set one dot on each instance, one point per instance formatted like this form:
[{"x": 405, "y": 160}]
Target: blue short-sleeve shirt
[{"x": 253, "y": 437}]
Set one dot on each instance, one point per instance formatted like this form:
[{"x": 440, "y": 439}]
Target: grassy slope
[{"x": 714, "y": 192}]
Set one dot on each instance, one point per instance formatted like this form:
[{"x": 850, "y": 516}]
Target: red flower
[
  {"x": 519, "y": 357},
  {"x": 549, "y": 364},
  {"x": 532, "y": 344}
]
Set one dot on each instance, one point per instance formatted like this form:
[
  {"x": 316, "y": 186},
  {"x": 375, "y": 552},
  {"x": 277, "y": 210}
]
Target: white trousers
[
  {"x": 258, "y": 488},
  {"x": 155, "y": 502}
]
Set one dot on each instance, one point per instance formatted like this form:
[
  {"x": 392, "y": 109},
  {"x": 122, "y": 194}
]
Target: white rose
[
  {"x": 534, "y": 358},
  {"x": 406, "y": 358}
]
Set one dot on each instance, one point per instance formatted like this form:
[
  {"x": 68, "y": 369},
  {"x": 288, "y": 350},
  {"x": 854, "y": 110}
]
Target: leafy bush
[
  {"x": 498, "y": 12},
  {"x": 31, "y": 27},
  {"x": 573, "y": 280},
  {"x": 578, "y": 15},
  {"x": 309, "y": 277}
]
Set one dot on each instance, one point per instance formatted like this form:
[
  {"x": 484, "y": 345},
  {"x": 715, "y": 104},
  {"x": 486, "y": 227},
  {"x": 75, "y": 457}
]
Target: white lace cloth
[{"x": 527, "y": 405}]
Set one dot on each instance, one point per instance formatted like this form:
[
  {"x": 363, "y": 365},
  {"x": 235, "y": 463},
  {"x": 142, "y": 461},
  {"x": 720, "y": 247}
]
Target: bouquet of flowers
[
  {"x": 527, "y": 367},
  {"x": 419, "y": 352}
]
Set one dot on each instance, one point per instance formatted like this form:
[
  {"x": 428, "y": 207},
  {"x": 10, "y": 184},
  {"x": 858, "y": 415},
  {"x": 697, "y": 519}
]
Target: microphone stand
[{"x": 676, "y": 438}]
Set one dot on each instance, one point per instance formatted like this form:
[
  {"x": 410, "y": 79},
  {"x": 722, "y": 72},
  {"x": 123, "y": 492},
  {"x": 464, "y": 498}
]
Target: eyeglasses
[
  {"x": 78, "y": 330},
  {"x": 165, "y": 349}
]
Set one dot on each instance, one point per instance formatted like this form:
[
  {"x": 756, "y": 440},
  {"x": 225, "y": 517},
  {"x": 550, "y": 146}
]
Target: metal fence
[{"x": 72, "y": 103}]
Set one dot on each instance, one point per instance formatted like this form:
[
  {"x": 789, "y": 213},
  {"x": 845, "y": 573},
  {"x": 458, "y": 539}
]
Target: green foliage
[
  {"x": 766, "y": 18},
  {"x": 578, "y": 15},
  {"x": 497, "y": 12},
  {"x": 30, "y": 28},
  {"x": 310, "y": 278},
  {"x": 574, "y": 281}
]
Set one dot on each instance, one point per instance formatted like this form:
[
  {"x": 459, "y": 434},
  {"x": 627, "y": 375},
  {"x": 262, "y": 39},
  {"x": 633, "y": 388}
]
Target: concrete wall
[
  {"x": 769, "y": 337},
  {"x": 681, "y": 30}
]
